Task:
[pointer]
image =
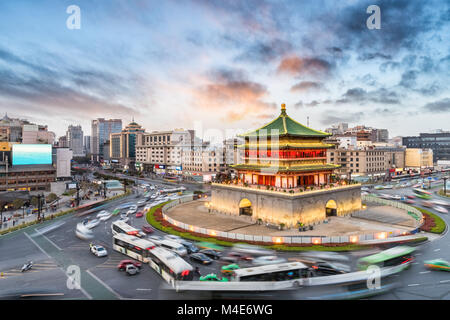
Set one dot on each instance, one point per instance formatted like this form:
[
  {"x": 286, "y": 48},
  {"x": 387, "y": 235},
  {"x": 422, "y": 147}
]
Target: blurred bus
[
  {"x": 132, "y": 246},
  {"x": 388, "y": 258},
  {"x": 422, "y": 194},
  {"x": 120, "y": 227},
  {"x": 274, "y": 272}
]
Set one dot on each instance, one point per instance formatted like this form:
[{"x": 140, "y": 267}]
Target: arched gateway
[
  {"x": 245, "y": 207},
  {"x": 331, "y": 208}
]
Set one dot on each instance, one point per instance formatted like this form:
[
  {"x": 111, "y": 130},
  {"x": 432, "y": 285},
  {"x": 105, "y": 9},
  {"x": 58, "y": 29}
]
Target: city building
[
  {"x": 87, "y": 145},
  {"x": 34, "y": 134},
  {"x": 416, "y": 158},
  {"x": 203, "y": 162},
  {"x": 62, "y": 161},
  {"x": 161, "y": 152},
  {"x": 284, "y": 178},
  {"x": 62, "y": 142},
  {"x": 101, "y": 130},
  {"x": 439, "y": 142},
  {"x": 74, "y": 136},
  {"x": 123, "y": 146}
]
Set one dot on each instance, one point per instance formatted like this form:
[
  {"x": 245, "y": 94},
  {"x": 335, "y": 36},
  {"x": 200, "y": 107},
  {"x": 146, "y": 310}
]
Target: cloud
[
  {"x": 305, "y": 86},
  {"x": 298, "y": 66},
  {"x": 408, "y": 79},
  {"x": 442, "y": 105},
  {"x": 265, "y": 51},
  {"x": 230, "y": 92},
  {"x": 331, "y": 117},
  {"x": 361, "y": 96}
]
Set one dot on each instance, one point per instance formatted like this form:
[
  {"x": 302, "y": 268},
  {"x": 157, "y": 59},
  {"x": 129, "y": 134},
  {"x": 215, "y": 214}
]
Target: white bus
[
  {"x": 119, "y": 227},
  {"x": 133, "y": 247},
  {"x": 170, "y": 266},
  {"x": 274, "y": 272}
]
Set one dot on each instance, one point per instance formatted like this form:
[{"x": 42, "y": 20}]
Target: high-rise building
[
  {"x": 439, "y": 142},
  {"x": 74, "y": 136},
  {"x": 123, "y": 145},
  {"x": 101, "y": 131},
  {"x": 87, "y": 144},
  {"x": 62, "y": 142}
]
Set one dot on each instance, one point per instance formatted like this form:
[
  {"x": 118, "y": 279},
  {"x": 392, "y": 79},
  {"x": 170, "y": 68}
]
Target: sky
[{"x": 219, "y": 66}]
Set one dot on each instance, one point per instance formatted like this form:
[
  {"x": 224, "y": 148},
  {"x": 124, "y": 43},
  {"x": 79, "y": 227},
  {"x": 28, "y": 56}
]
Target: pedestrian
[{"x": 14, "y": 222}]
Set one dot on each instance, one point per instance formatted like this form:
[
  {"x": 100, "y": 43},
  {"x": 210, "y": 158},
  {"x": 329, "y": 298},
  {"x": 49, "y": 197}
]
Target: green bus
[
  {"x": 420, "y": 193},
  {"x": 388, "y": 258}
]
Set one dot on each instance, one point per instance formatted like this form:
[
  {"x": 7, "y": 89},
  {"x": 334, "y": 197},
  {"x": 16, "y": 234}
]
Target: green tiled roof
[
  {"x": 285, "y": 126},
  {"x": 284, "y": 168}
]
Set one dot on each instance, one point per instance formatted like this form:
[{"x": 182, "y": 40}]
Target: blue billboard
[{"x": 26, "y": 154}]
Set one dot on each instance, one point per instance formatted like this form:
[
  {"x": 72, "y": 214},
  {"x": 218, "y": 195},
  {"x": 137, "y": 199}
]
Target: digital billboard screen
[{"x": 26, "y": 154}]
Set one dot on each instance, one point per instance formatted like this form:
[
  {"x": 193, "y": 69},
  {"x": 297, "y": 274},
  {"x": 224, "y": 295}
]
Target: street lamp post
[{"x": 445, "y": 185}]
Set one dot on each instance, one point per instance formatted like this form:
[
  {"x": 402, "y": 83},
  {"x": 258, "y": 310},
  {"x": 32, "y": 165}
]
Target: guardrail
[
  {"x": 298, "y": 240},
  {"x": 416, "y": 214}
]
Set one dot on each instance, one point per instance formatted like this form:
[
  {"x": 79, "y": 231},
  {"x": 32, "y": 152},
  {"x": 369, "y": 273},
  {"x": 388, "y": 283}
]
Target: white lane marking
[
  {"x": 104, "y": 284},
  {"x": 413, "y": 285},
  {"x": 443, "y": 281},
  {"x": 415, "y": 263},
  {"x": 82, "y": 290},
  {"x": 418, "y": 254},
  {"x": 437, "y": 250},
  {"x": 424, "y": 272},
  {"x": 141, "y": 289}
]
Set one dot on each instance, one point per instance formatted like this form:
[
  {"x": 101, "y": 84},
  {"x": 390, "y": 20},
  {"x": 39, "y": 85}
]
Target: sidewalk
[{"x": 26, "y": 217}]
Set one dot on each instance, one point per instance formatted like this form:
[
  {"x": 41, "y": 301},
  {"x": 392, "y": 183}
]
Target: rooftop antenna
[{"x": 307, "y": 121}]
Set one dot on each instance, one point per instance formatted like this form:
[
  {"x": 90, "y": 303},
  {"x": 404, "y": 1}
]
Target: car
[
  {"x": 229, "y": 268},
  {"x": 261, "y": 261},
  {"x": 92, "y": 223},
  {"x": 139, "y": 214},
  {"x": 190, "y": 247},
  {"x": 148, "y": 229},
  {"x": 104, "y": 218},
  {"x": 385, "y": 196},
  {"x": 379, "y": 187},
  {"x": 211, "y": 253},
  {"x": 388, "y": 186},
  {"x": 201, "y": 258},
  {"x": 396, "y": 197},
  {"x": 123, "y": 218},
  {"x": 330, "y": 268},
  {"x": 437, "y": 264},
  {"x": 156, "y": 239},
  {"x": 240, "y": 256},
  {"x": 440, "y": 209},
  {"x": 252, "y": 250},
  {"x": 140, "y": 203},
  {"x": 212, "y": 277},
  {"x": 409, "y": 201},
  {"x": 98, "y": 250},
  {"x": 102, "y": 213},
  {"x": 411, "y": 196},
  {"x": 116, "y": 211},
  {"x": 133, "y": 209},
  {"x": 364, "y": 189},
  {"x": 141, "y": 234},
  {"x": 173, "y": 237},
  {"x": 428, "y": 204},
  {"x": 441, "y": 203},
  {"x": 122, "y": 264},
  {"x": 131, "y": 270}
]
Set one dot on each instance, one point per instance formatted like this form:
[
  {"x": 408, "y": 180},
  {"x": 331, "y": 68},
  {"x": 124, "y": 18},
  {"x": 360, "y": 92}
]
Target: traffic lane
[
  {"x": 17, "y": 249},
  {"x": 144, "y": 285},
  {"x": 40, "y": 282}
]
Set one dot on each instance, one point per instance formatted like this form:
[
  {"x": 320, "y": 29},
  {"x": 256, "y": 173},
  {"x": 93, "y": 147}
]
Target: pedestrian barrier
[{"x": 357, "y": 238}]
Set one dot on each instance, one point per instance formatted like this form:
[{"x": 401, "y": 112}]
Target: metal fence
[
  {"x": 281, "y": 239},
  {"x": 413, "y": 212}
]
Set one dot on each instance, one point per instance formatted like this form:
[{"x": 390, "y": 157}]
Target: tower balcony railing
[{"x": 291, "y": 190}]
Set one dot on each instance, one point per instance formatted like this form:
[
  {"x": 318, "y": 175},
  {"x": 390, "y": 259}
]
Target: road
[{"x": 55, "y": 250}]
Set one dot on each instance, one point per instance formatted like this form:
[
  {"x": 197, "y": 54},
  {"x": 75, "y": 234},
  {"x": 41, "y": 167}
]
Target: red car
[
  {"x": 140, "y": 214},
  {"x": 123, "y": 264},
  {"x": 147, "y": 229}
]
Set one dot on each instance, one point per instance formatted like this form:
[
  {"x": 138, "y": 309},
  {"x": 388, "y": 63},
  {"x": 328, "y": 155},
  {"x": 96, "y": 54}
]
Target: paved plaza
[{"x": 374, "y": 219}]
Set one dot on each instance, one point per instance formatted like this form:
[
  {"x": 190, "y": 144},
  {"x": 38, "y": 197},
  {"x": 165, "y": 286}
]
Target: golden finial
[{"x": 283, "y": 107}]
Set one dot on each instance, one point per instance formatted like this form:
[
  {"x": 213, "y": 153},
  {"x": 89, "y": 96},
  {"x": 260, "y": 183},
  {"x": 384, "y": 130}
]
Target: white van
[{"x": 176, "y": 247}]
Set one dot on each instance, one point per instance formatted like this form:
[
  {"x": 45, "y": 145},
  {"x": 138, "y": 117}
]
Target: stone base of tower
[{"x": 273, "y": 207}]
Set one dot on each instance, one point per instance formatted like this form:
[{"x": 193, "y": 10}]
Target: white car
[
  {"x": 141, "y": 203},
  {"x": 396, "y": 197},
  {"x": 133, "y": 209},
  {"x": 173, "y": 237},
  {"x": 440, "y": 209},
  {"x": 83, "y": 233},
  {"x": 156, "y": 239},
  {"x": 268, "y": 260},
  {"x": 104, "y": 218},
  {"x": 99, "y": 251},
  {"x": 92, "y": 223},
  {"x": 102, "y": 214},
  {"x": 124, "y": 219}
]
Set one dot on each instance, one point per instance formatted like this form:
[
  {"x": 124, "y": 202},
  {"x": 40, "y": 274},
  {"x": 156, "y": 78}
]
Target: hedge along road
[{"x": 91, "y": 286}]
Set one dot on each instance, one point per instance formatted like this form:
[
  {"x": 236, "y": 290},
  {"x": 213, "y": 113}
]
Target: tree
[
  {"x": 51, "y": 197},
  {"x": 34, "y": 201},
  {"x": 18, "y": 203}
]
